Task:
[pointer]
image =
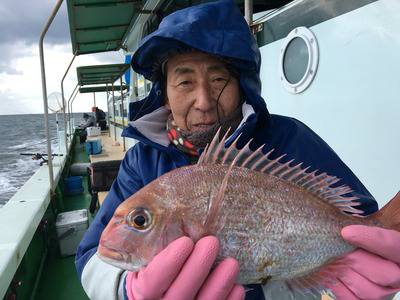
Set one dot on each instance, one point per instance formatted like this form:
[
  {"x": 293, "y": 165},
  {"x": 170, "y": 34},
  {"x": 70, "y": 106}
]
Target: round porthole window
[{"x": 298, "y": 60}]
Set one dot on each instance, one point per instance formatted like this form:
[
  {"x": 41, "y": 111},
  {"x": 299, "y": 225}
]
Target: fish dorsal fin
[
  {"x": 213, "y": 218},
  {"x": 318, "y": 184}
]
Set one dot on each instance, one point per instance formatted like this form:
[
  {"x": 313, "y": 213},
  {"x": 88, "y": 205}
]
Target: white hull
[{"x": 353, "y": 102}]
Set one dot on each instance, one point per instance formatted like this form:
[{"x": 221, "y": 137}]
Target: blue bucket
[{"x": 73, "y": 185}]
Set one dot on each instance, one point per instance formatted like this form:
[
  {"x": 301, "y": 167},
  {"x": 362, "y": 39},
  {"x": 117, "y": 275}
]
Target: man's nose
[{"x": 205, "y": 98}]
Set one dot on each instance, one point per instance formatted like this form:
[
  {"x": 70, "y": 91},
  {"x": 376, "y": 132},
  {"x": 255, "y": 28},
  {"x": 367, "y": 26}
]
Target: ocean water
[{"x": 23, "y": 134}]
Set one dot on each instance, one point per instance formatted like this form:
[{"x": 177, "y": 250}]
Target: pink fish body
[{"x": 278, "y": 221}]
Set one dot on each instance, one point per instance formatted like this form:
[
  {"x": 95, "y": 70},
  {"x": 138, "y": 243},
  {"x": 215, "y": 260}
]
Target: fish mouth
[
  {"x": 110, "y": 253},
  {"x": 119, "y": 259}
]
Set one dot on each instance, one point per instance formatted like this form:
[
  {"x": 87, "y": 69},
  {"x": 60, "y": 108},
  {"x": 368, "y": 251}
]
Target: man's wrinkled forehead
[
  {"x": 186, "y": 63},
  {"x": 182, "y": 69}
]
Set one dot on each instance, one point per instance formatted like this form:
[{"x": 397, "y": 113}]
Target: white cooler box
[
  {"x": 71, "y": 226},
  {"x": 93, "y": 131}
]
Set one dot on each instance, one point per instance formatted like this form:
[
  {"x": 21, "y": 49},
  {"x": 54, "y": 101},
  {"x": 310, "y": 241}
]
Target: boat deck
[
  {"x": 59, "y": 278},
  {"x": 110, "y": 151}
]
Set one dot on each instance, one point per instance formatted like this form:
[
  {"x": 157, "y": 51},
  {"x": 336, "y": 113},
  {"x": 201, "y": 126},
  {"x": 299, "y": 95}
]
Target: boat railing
[{"x": 21, "y": 215}]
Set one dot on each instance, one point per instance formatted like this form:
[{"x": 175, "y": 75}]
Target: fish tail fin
[
  {"x": 389, "y": 215},
  {"x": 316, "y": 282}
]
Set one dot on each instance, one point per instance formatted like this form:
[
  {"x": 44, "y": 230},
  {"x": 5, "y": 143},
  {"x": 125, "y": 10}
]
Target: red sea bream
[{"x": 279, "y": 221}]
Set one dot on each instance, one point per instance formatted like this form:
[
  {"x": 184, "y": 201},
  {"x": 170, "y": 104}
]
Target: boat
[{"x": 331, "y": 64}]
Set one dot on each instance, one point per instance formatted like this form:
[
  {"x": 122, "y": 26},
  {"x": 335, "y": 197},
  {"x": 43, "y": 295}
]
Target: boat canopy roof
[
  {"x": 100, "y": 25},
  {"x": 100, "y": 74},
  {"x": 103, "y": 88},
  {"x": 103, "y": 25}
]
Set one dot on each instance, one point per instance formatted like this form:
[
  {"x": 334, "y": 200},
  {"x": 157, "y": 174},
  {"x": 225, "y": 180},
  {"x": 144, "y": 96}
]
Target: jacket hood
[{"x": 217, "y": 28}]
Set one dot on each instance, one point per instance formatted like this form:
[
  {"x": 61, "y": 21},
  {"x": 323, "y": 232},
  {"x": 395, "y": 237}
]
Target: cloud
[
  {"x": 21, "y": 24},
  {"x": 4, "y": 67},
  {"x": 24, "y": 20},
  {"x": 10, "y": 52},
  {"x": 23, "y": 93}
]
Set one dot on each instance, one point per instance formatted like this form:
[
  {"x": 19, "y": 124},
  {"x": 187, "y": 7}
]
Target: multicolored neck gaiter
[{"x": 191, "y": 142}]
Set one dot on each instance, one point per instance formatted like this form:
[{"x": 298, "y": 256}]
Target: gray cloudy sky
[{"x": 21, "y": 23}]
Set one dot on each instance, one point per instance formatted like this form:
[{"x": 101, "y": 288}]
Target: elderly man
[{"x": 204, "y": 64}]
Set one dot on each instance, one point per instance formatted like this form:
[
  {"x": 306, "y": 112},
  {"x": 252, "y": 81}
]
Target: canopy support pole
[
  {"x": 122, "y": 112},
  {"x": 115, "y": 123},
  {"x": 44, "y": 91},
  {"x": 248, "y": 11},
  {"x": 108, "y": 95}
]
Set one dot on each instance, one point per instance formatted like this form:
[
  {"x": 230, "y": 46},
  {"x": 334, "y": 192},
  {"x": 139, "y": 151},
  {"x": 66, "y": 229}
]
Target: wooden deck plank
[{"x": 109, "y": 150}]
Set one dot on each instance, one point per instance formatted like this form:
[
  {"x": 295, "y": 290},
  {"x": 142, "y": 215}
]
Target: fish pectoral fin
[
  {"x": 305, "y": 286},
  {"x": 317, "y": 282}
]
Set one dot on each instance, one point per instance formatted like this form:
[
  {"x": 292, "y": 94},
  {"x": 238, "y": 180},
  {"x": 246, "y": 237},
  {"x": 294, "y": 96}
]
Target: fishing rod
[
  {"x": 26, "y": 154},
  {"x": 42, "y": 156}
]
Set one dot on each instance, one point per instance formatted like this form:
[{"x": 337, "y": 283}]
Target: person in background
[
  {"x": 205, "y": 67},
  {"x": 88, "y": 121},
  {"x": 100, "y": 117}
]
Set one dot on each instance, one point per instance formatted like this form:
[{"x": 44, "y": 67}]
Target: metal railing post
[
  {"x": 64, "y": 103},
  {"x": 44, "y": 91},
  {"x": 72, "y": 101},
  {"x": 70, "y": 111}
]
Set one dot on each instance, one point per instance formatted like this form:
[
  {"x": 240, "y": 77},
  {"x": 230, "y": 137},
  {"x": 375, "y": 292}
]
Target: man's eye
[
  {"x": 219, "y": 79},
  {"x": 184, "y": 83}
]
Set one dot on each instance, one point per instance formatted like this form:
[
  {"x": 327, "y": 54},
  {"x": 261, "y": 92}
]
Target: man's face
[{"x": 195, "y": 80}]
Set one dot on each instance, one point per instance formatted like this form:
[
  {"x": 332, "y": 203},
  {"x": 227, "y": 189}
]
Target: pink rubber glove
[
  {"x": 373, "y": 270},
  {"x": 182, "y": 271}
]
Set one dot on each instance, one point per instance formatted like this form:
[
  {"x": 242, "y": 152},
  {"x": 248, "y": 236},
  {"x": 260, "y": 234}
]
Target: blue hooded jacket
[{"x": 219, "y": 29}]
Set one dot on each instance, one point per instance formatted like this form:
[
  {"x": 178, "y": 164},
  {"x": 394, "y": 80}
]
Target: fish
[{"x": 279, "y": 220}]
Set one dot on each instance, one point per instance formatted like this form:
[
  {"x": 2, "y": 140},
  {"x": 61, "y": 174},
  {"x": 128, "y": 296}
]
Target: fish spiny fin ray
[
  {"x": 213, "y": 214},
  {"x": 320, "y": 184}
]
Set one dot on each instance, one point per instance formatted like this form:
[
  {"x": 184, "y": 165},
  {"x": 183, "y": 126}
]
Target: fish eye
[{"x": 139, "y": 218}]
